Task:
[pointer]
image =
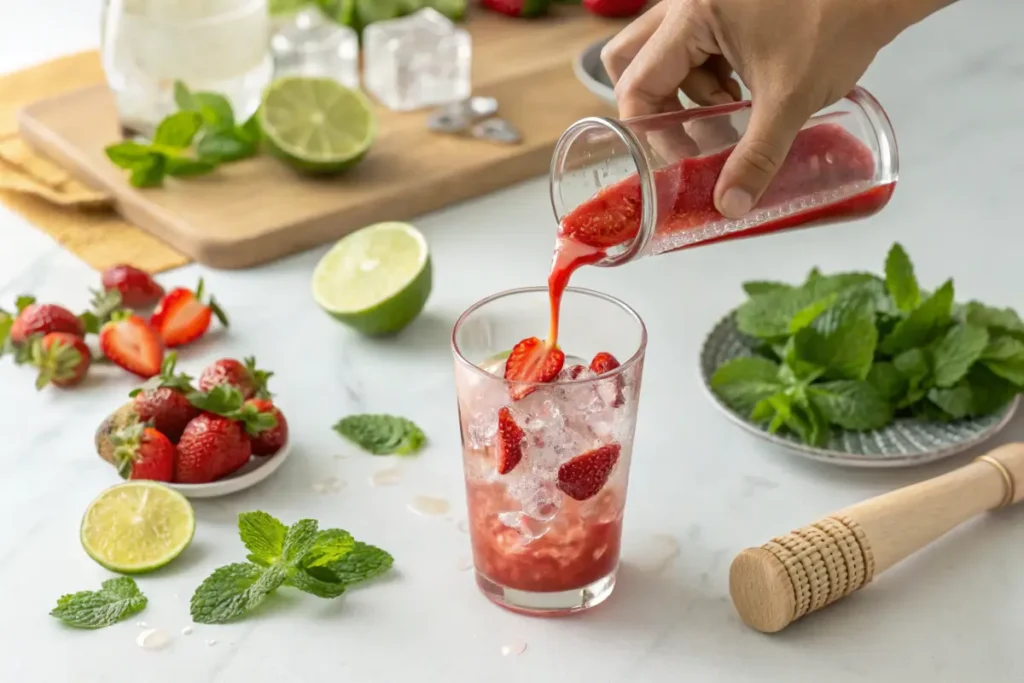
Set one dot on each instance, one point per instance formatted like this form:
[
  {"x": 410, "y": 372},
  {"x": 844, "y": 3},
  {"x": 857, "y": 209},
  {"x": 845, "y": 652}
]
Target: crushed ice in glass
[
  {"x": 420, "y": 60},
  {"x": 310, "y": 44}
]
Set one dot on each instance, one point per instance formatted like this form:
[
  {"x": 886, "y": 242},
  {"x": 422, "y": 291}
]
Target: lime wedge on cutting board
[
  {"x": 375, "y": 280},
  {"x": 317, "y": 124},
  {"x": 137, "y": 526}
]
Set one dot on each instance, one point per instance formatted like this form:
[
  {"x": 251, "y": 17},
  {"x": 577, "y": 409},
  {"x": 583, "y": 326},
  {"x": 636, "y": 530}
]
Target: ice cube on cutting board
[
  {"x": 420, "y": 60},
  {"x": 309, "y": 44}
]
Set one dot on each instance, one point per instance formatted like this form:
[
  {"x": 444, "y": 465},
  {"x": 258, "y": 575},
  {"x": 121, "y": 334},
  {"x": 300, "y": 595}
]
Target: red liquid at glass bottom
[{"x": 828, "y": 169}]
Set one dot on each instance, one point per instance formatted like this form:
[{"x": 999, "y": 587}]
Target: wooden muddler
[{"x": 810, "y": 568}]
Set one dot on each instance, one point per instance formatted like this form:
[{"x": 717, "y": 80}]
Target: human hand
[{"x": 795, "y": 56}]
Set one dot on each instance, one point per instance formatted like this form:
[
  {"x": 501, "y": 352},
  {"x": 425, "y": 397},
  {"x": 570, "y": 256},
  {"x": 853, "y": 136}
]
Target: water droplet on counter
[
  {"x": 153, "y": 639},
  {"x": 211, "y": 643},
  {"x": 386, "y": 477},
  {"x": 328, "y": 485},
  {"x": 464, "y": 564},
  {"x": 429, "y": 506},
  {"x": 187, "y": 631},
  {"x": 516, "y": 647},
  {"x": 660, "y": 551},
  {"x": 463, "y": 526}
]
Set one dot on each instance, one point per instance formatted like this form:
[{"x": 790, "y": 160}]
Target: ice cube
[
  {"x": 309, "y": 44},
  {"x": 420, "y": 60},
  {"x": 483, "y": 426},
  {"x": 529, "y": 529},
  {"x": 539, "y": 496}
]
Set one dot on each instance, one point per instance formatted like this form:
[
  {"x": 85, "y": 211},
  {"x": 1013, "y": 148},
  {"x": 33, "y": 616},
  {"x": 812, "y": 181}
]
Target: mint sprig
[
  {"x": 324, "y": 563},
  {"x": 117, "y": 599},
  {"x": 855, "y": 351},
  {"x": 191, "y": 142},
  {"x": 382, "y": 434}
]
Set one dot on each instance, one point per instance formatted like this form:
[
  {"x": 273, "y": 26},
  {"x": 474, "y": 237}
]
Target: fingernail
[{"x": 736, "y": 202}]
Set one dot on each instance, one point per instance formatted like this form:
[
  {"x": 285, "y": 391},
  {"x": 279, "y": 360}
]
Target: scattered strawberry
[
  {"x": 182, "y": 316},
  {"x": 137, "y": 287},
  {"x": 111, "y": 425},
  {"x": 163, "y": 401},
  {"x": 33, "y": 319},
  {"x": 249, "y": 380},
  {"x": 510, "y": 442},
  {"x": 63, "y": 359},
  {"x": 211, "y": 447},
  {"x": 141, "y": 452},
  {"x": 518, "y": 8},
  {"x": 615, "y": 8},
  {"x": 606, "y": 362},
  {"x": 531, "y": 360},
  {"x": 129, "y": 342},
  {"x": 269, "y": 441},
  {"x": 585, "y": 475}
]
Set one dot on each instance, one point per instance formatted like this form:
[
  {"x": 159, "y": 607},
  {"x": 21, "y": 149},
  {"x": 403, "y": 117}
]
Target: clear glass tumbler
[
  {"x": 622, "y": 190},
  {"x": 211, "y": 45},
  {"x": 546, "y": 474}
]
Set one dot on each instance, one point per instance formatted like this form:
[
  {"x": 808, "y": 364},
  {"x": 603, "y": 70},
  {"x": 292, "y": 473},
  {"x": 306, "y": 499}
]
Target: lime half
[
  {"x": 317, "y": 124},
  {"x": 137, "y": 526},
  {"x": 375, "y": 280}
]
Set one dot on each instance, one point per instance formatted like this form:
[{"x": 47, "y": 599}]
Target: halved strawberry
[
  {"x": 585, "y": 475},
  {"x": 606, "y": 362},
  {"x": 182, "y": 316},
  {"x": 129, "y": 342},
  {"x": 532, "y": 360},
  {"x": 510, "y": 442},
  {"x": 63, "y": 359}
]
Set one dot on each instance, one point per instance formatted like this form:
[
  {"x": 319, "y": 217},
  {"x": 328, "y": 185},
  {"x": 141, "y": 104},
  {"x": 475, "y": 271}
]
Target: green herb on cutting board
[
  {"x": 190, "y": 142},
  {"x": 855, "y": 351}
]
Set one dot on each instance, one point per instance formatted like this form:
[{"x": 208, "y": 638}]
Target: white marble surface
[{"x": 955, "y": 90}]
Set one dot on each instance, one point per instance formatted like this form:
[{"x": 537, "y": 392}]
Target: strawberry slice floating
[
  {"x": 510, "y": 442},
  {"x": 606, "y": 362},
  {"x": 183, "y": 316},
  {"x": 131, "y": 343},
  {"x": 532, "y": 360},
  {"x": 584, "y": 476}
]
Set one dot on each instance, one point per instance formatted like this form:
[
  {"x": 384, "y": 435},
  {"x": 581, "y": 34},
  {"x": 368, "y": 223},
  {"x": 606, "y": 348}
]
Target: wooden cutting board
[{"x": 258, "y": 210}]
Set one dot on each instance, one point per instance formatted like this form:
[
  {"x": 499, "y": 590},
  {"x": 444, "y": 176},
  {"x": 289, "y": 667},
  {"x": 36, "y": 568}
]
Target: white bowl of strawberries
[{"x": 217, "y": 437}]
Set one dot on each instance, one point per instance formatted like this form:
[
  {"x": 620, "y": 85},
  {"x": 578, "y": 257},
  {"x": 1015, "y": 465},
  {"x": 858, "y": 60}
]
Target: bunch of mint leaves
[
  {"x": 854, "y": 351},
  {"x": 193, "y": 141},
  {"x": 323, "y": 563}
]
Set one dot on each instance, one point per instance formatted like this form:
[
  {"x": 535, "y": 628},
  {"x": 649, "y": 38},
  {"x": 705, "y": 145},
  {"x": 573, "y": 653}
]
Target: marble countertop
[{"x": 954, "y": 88}]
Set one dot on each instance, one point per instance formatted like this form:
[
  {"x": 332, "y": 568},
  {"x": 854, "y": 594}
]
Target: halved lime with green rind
[
  {"x": 317, "y": 124},
  {"x": 282, "y": 7},
  {"x": 377, "y": 279},
  {"x": 137, "y": 527}
]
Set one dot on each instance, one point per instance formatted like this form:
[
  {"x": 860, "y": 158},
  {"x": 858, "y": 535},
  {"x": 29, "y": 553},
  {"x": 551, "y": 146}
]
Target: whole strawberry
[
  {"x": 163, "y": 401},
  {"x": 615, "y": 9},
  {"x": 245, "y": 377},
  {"x": 42, "y": 319},
  {"x": 141, "y": 452},
  {"x": 183, "y": 316},
  {"x": 62, "y": 358},
  {"x": 517, "y": 8},
  {"x": 269, "y": 441},
  {"x": 138, "y": 289},
  {"x": 131, "y": 343}
]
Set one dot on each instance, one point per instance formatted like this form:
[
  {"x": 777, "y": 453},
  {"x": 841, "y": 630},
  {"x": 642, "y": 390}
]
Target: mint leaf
[
  {"x": 956, "y": 352},
  {"x": 924, "y": 324},
  {"x": 150, "y": 174},
  {"x": 178, "y": 130},
  {"x": 989, "y": 392},
  {"x": 888, "y": 381},
  {"x": 320, "y": 587},
  {"x": 796, "y": 370},
  {"x": 843, "y": 339},
  {"x": 382, "y": 434},
  {"x": 851, "y": 404},
  {"x": 130, "y": 155},
  {"x": 808, "y": 315},
  {"x": 6, "y": 323},
  {"x": 330, "y": 545},
  {"x": 117, "y": 599},
  {"x": 768, "y": 316},
  {"x": 183, "y": 97},
  {"x": 363, "y": 563},
  {"x": 1004, "y": 356},
  {"x": 225, "y": 146},
  {"x": 914, "y": 366},
  {"x": 232, "y": 591},
  {"x": 900, "y": 279},
  {"x": 956, "y": 401},
  {"x": 755, "y": 287},
  {"x": 263, "y": 536},
  {"x": 184, "y": 167},
  {"x": 787, "y": 410},
  {"x": 250, "y": 130},
  {"x": 998, "y": 319},
  {"x": 299, "y": 540},
  {"x": 743, "y": 382}
]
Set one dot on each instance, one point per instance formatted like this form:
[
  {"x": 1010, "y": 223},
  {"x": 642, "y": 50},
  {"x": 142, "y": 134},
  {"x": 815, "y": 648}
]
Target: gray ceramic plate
[
  {"x": 591, "y": 73},
  {"x": 904, "y": 442}
]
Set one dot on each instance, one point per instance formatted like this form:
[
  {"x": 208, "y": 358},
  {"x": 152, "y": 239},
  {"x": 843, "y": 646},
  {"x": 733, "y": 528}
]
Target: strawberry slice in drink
[
  {"x": 532, "y": 360},
  {"x": 602, "y": 363},
  {"x": 584, "y": 476},
  {"x": 510, "y": 442}
]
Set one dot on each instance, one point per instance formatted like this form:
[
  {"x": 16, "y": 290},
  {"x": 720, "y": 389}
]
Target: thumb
[{"x": 757, "y": 157}]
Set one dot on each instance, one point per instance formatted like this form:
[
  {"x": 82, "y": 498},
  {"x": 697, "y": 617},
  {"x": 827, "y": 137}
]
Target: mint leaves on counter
[
  {"x": 323, "y": 563},
  {"x": 116, "y": 600},
  {"x": 382, "y": 434},
  {"x": 855, "y": 351},
  {"x": 191, "y": 142}
]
